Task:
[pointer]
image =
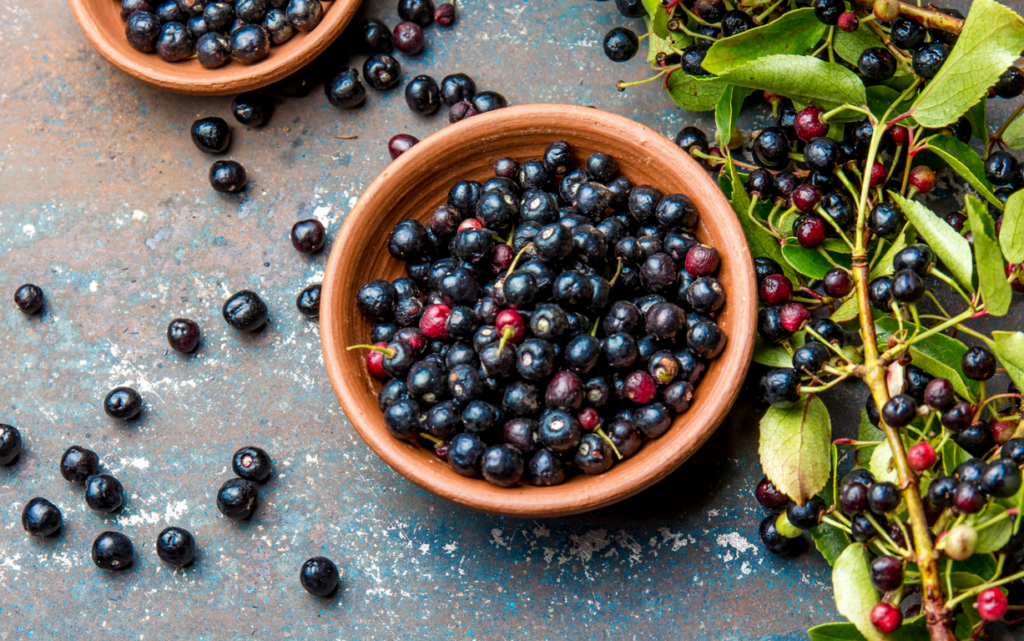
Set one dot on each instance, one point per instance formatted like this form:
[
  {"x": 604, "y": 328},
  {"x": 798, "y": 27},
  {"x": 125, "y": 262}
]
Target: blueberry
[
  {"x": 176, "y": 546},
  {"x": 485, "y": 101},
  {"x": 237, "y": 499},
  {"x": 382, "y": 71},
  {"x": 929, "y": 59},
  {"x": 457, "y": 88},
  {"x": 279, "y": 28},
  {"x": 211, "y": 135},
  {"x": 41, "y": 518},
  {"x": 112, "y": 551},
  {"x": 123, "y": 403},
  {"x": 142, "y": 30},
  {"x": 213, "y": 50},
  {"x": 305, "y": 15},
  {"x": 877, "y": 63},
  {"x": 545, "y": 469},
  {"x": 465, "y": 454},
  {"x": 245, "y": 311}
]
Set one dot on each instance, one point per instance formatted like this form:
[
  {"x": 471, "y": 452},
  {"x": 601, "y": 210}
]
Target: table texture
[{"x": 104, "y": 203}]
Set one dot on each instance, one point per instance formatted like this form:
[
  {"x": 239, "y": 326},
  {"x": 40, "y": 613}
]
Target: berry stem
[
  {"x": 949, "y": 281},
  {"x": 841, "y": 108},
  {"x": 931, "y": 18},
  {"x": 621, "y": 86},
  {"x": 885, "y": 535},
  {"x": 891, "y": 354},
  {"x": 981, "y": 588},
  {"x": 604, "y": 437},
  {"x": 386, "y": 350},
  {"x": 998, "y": 135},
  {"x": 618, "y": 270},
  {"x": 828, "y": 219},
  {"x": 432, "y": 439},
  {"x": 835, "y": 524},
  {"x": 981, "y": 406},
  {"x": 822, "y": 388},
  {"x": 505, "y": 335},
  {"x": 767, "y": 12},
  {"x": 515, "y": 261}
]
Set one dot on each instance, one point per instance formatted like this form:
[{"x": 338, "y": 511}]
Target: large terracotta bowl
[
  {"x": 418, "y": 181},
  {"x": 102, "y": 24}
]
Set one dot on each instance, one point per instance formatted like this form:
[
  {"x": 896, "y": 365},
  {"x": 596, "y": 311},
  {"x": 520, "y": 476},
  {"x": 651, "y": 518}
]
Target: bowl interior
[
  {"x": 415, "y": 184},
  {"x": 102, "y": 24}
]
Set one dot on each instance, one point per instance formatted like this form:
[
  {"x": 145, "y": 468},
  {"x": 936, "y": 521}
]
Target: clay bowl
[
  {"x": 102, "y": 24},
  {"x": 418, "y": 181}
]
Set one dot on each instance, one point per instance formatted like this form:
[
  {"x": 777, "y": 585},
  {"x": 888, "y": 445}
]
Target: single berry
[
  {"x": 183, "y": 335},
  {"x": 319, "y": 576},
  {"x": 781, "y": 387},
  {"x": 810, "y": 231},
  {"x": 829, "y": 11},
  {"x": 444, "y": 15},
  {"x": 1001, "y": 478},
  {"x": 929, "y": 59},
  {"x": 810, "y": 358},
  {"x": 308, "y": 301},
  {"x": 849, "y": 22},
  {"x": 381, "y": 71},
  {"x": 228, "y": 176},
  {"x": 419, "y": 11},
  {"x": 853, "y": 498},
  {"x": 308, "y": 236},
  {"x": 305, "y": 15},
  {"x": 768, "y": 496},
  {"x": 922, "y": 178},
  {"x": 806, "y": 516},
  {"x": 735, "y": 22},
  {"x": 771, "y": 148},
  {"x": 878, "y": 174},
  {"x": 253, "y": 108},
  {"x": 877, "y": 63},
  {"x": 992, "y": 604},
  {"x": 907, "y": 287},
  {"x": 176, "y": 546},
  {"x": 10, "y": 444},
  {"x": 883, "y": 498},
  {"x": 969, "y": 498},
  {"x": 793, "y": 316},
  {"x": 809, "y": 125},
  {"x": 344, "y": 89},
  {"x": 112, "y": 551},
  {"x": 1001, "y": 168},
  {"x": 237, "y": 499},
  {"x": 978, "y": 364},
  {"x": 886, "y": 618},
  {"x": 907, "y": 34},
  {"x": 822, "y": 155},
  {"x": 886, "y": 573},
  {"x": 761, "y": 182},
  {"x": 1010, "y": 83},
  {"x": 837, "y": 283},
  {"x": 921, "y": 456},
  {"x": 41, "y": 518},
  {"x": 245, "y": 311},
  {"x": 919, "y": 258},
  {"x": 103, "y": 493},
  {"x": 408, "y": 38},
  {"x": 401, "y": 143},
  {"x": 885, "y": 220},
  {"x": 805, "y": 198},
  {"x": 423, "y": 95},
  {"x": 29, "y": 299},
  {"x": 702, "y": 260},
  {"x": 621, "y": 44},
  {"x": 123, "y": 403},
  {"x": 1014, "y": 450},
  {"x": 776, "y": 289},
  {"x": 251, "y": 463},
  {"x": 960, "y": 542},
  {"x": 78, "y": 464},
  {"x": 211, "y": 135}
]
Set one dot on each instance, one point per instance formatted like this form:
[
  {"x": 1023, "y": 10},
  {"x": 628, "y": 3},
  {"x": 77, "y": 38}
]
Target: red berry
[
  {"x": 809, "y": 125},
  {"x": 992, "y": 604},
  {"x": 886, "y": 618},
  {"x": 849, "y": 22},
  {"x": 400, "y": 144},
  {"x": 375, "y": 361},
  {"x": 900, "y": 135},
  {"x": 769, "y": 496},
  {"x": 441, "y": 451},
  {"x": 921, "y": 457},
  {"x": 878, "y": 174},
  {"x": 501, "y": 257},
  {"x": 922, "y": 178},
  {"x": 793, "y": 316},
  {"x": 1002, "y": 431},
  {"x": 432, "y": 322},
  {"x": 810, "y": 231},
  {"x": 1017, "y": 284},
  {"x": 470, "y": 223},
  {"x": 805, "y": 198},
  {"x": 776, "y": 289},
  {"x": 589, "y": 419},
  {"x": 444, "y": 15},
  {"x": 702, "y": 260},
  {"x": 510, "y": 321},
  {"x": 640, "y": 387}
]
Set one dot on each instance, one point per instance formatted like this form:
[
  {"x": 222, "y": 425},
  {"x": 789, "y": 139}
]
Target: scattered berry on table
[
  {"x": 228, "y": 176},
  {"x": 238, "y": 499},
  {"x": 245, "y": 311},
  {"x": 78, "y": 464},
  {"x": 400, "y": 143},
  {"x": 122, "y": 403},
  {"x": 251, "y": 463},
  {"x": 308, "y": 301},
  {"x": 211, "y": 135},
  {"x": 308, "y": 236},
  {"x": 344, "y": 89},
  {"x": 103, "y": 493},
  {"x": 408, "y": 38},
  {"x": 41, "y": 518},
  {"x": 183, "y": 335},
  {"x": 29, "y": 299},
  {"x": 176, "y": 546},
  {"x": 112, "y": 551},
  {"x": 319, "y": 576}
]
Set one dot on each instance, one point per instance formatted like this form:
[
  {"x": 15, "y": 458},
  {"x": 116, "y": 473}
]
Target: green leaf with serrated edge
[
  {"x": 952, "y": 456},
  {"x": 727, "y": 111},
  {"x": 976, "y": 116},
  {"x": 695, "y": 93},
  {"x": 849, "y": 46},
  {"x": 991, "y": 268},
  {"x": 854, "y": 594},
  {"x": 1013, "y": 135},
  {"x": 990, "y": 41},
  {"x": 811, "y": 263},
  {"x": 794, "y": 33},
  {"x": 799, "y": 77},
  {"x": 939, "y": 355},
  {"x": 952, "y": 249},
  {"x": 966, "y": 162},
  {"x": 845, "y": 312},
  {"x": 771, "y": 355},
  {"x": 1010, "y": 350},
  {"x": 830, "y": 541},
  {"x": 658, "y": 17},
  {"x": 995, "y": 536},
  {"x": 794, "y": 448},
  {"x": 1011, "y": 235},
  {"x": 884, "y": 265},
  {"x": 880, "y": 98}
]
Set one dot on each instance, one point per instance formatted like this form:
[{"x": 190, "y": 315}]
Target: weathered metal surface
[{"x": 104, "y": 203}]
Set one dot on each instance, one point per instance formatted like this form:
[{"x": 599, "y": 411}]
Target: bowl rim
[
  {"x": 534, "y": 502},
  {"x": 213, "y": 82}
]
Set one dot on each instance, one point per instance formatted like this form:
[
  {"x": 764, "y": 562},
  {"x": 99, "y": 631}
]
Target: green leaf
[
  {"x": 771, "y": 355},
  {"x": 881, "y": 463},
  {"x": 911, "y": 630},
  {"x": 1010, "y": 350},
  {"x": 939, "y": 355},
  {"x": 794, "y": 448},
  {"x": 837, "y": 246},
  {"x": 846, "y": 311},
  {"x": 794, "y": 33},
  {"x": 830, "y": 541},
  {"x": 1011, "y": 235},
  {"x": 992, "y": 537},
  {"x": 976, "y": 116},
  {"x": 991, "y": 39},
  {"x": 800, "y": 78},
  {"x": 965, "y": 580},
  {"x": 991, "y": 268},
  {"x": 695, "y": 93},
  {"x": 811, "y": 263},
  {"x": 983, "y": 565},
  {"x": 966, "y": 162},
  {"x": 849, "y": 46},
  {"x": 868, "y": 432},
  {"x": 880, "y": 98},
  {"x": 884, "y": 265},
  {"x": 727, "y": 111},
  {"x": 952, "y": 456},
  {"x": 854, "y": 594},
  {"x": 952, "y": 249},
  {"x": 1013, "y": 135},
  {"x": 658, "y": 17}
]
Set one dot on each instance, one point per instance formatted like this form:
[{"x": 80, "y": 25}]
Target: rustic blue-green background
[{"x": 104, "y": 203}]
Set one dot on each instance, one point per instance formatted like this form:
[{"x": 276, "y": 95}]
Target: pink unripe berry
[
  {"x": 776, "y": 289},
  {"x": 772, "y": 98},
  {"x": 509, "y": 324},
  {"x": 849, "y": 22},
  {"x": 900, "y": 135},
  {"x": 921, "y": 457},
  {"x": 809, "y": 125},
  {"x": 793, "y": 316},
  {"x": 922, "y": 178},
  {"x": 702, "y": 260},
  {"x": 432, "y": 322},
  {"x": 1002, "y": 431},
  {"x": 1017, "y": 284},
  {"x": 375, "y": 361},
  {"x": 470, "y": 223},
  {"x": 589, "y": 419},
  {"x": 805, "y": 198},
  {"x": 992, "y": 604},
  {"x": 501, "y": 257},
  {"x": 640, "y": 387},
  {"x": 886, "y": 618},
  {"x": 878, "y": 174}
]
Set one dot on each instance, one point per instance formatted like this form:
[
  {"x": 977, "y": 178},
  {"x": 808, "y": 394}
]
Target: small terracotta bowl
[
  {"x": 102, "y": 24},
  {"x": 418, "y": 181}
]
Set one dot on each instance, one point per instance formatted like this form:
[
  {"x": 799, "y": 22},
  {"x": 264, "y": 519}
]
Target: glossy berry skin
[
  {"x": 251, "y": 463},
  {"x": 103, "y": 493},
  {"x": 319, "y": 576},
  {"x": 735, "y": 22},
  {"x": 213, "y": 50},
  {"x": 822, "y": 154},
  {"x": 781, "y": 387},
  {"x": 899, "y": 410},
  {"x": 228, "y": 177},
  {"x": 1001, "y": 478},
  {"x": 907, "y": 287},
  {"x": 885, "y": 220},
  {"x": 408, "y": 38},
  {"x": 29, "y": 299},
  {"x": 183, "y": 335},
  {"x": 921, "y": 456},
  {"x": 877, "y": 63},
  {"x": 688, "y": 139},
  {"x": 465, "y": 452},
  {"x": 77, "y": 464},
  {"x": 929, "y": 59},
  {"x": 771, "y": 149},
  {"x": 375, "y": 36},
  {"x": 809, "y": 125},
  {"x": 692, "y": 60},
  {"x": 907, "y": 34},
  {"x": 793, "y": 316},
  {"x": 41, "y": 518},
  {"x": 849, "y": 22},
  {"x": 922, "y": 178},
  {"x": 401, "y": 143},
  {"x": 445, "y": 14},
  {"x": 919, "y": 258},
  {"x": 765, "y": 267},
  {"x": 237, "y": 499},
  {"x": 810, "y": 358},
  {"x": 941, "y": 492},
  {"x": 853, "y": 498},
  {"x": 810, "y": 231},
  {"x": 805, "y": 198},
  {"x": 768, "y": 496},
  {"x": 775, "y": 542},
  {"x": 862, "y": 530},
  {"x": 1001, "y": 168},
  {"x": 886, "y": 618},
  {"x": 308, "y": 236},
  {"x": 211, "y": 135},
  {"x": 621, "y": 44},
  {"x": 419, "y": 11},
  {"x": 122, "y": 403},
  {"x": 805, "y": 517},
  {"x": 1014, "y": 450},
  {"x": 762, "y": 183},
  {"x": 702, "y": 260},
  {"x": 344, "y": 90},
  {"x": 1010, "y": 83},
  {"x": 886, "y": 573},
  {"x": 423, "y": 95},
  {"x": 558, "y": 431},
  {"x": 828, "y": 11},
  {"x": 174, "y": 42},
  {"x": 883, "y": 498},
  {"x": 176, "y": 546},
  {"x": 837, "y": 283},
  {"x": 253, "y": 109},
  {"x": 142, "y": 29},
  {"x": 10, "y": 444},
  {"x": 992, "y": 604},
  {"x": 485, "y": 101},
  {"x": 776, "y": 290},
  {"x": 245, "y": 311},
  {"x": 308, "y": 301},
  {"x": 978, "y": 364},
  {"x": 958, "y": 417},
  {"x": 769, "y": 324},
  {"x": 112, "y": 551},
  {"x": 382, "y": 71},
  {"x": 706, "y": 340}
]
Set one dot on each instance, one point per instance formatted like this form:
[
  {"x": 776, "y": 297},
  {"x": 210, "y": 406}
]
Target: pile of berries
[
  {"x": 219, "y": 31},
  {"x": 552, "y": 318}
]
